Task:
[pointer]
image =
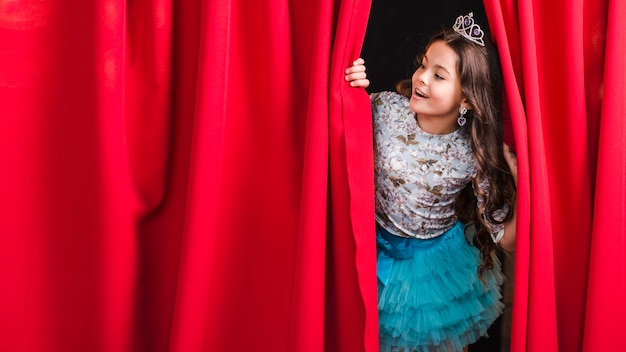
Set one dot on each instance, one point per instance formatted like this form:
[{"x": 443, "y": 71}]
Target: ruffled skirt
[{"x": 430, "y": 297}]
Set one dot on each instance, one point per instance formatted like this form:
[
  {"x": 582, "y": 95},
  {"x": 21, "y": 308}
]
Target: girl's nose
[{"x": 418, "y": 77}]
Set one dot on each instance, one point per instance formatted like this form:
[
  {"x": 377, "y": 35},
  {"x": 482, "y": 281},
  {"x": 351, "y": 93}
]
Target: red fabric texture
[
  {"x": 185, "y": 176},
  {"x": 196, "y": 175},
  {"x": 605, "y": 313},
  {"x": 562, "y": 67}
]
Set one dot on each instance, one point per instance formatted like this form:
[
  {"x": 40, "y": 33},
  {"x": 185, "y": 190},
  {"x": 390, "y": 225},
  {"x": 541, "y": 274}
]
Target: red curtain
[
  {"x": 565, "y": 78},
  {"x": 184, "y": 176},
  {"x": 196, "y": 176}
]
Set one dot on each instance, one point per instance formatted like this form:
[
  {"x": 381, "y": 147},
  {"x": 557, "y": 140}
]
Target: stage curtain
[
  {"x": 185, "y": 176},
  {"x": 564, "y": 84}
]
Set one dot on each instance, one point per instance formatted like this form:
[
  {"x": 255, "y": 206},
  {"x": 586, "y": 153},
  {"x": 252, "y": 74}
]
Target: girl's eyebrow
[
  {"x": 425, "y": 58},
  {"x": 443, "y": 68}
]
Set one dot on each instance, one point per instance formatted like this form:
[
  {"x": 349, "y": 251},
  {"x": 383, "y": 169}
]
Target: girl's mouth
[{"x": 420, "y": 94}]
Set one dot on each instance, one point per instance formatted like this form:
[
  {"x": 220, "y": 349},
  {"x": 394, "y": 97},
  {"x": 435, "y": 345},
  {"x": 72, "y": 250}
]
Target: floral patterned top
[{"x": 418, "y": 175}]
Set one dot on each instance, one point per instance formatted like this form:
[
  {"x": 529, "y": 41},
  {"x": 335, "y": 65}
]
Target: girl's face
[{"x": 437, "y": 94}]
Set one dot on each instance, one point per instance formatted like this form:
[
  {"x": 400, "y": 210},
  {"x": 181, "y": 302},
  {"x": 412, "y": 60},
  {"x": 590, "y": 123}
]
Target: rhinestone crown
[{"x": 465, "y": 26}]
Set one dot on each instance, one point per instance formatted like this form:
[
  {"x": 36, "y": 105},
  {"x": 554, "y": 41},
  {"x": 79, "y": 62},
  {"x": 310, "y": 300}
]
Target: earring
[{"x": 462, "y": 120}]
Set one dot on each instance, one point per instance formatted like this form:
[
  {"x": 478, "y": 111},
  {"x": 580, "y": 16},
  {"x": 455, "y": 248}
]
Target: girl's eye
[{"x": 438, "y": 76}]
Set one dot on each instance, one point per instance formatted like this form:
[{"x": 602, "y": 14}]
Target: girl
[{"x": 445, "y": 191}]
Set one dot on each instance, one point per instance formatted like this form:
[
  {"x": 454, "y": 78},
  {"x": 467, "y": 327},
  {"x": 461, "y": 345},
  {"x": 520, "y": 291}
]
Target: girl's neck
[{"x": 436, "y": 125}]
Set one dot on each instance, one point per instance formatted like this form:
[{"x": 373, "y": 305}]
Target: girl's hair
[{"x": 481, "y": 83}]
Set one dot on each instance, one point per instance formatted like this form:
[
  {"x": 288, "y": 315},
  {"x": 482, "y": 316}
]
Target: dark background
[{"x": 397, "y": 32}]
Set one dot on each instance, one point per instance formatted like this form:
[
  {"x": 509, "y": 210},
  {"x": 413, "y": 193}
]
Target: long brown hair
[{"x": 481, "y": 82}]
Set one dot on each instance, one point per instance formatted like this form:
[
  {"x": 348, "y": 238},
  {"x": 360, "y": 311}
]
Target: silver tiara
[{"x": 465, "y": 26}]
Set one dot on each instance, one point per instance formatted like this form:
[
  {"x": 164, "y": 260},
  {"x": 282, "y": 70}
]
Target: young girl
[{"x": 445, "y": 191}]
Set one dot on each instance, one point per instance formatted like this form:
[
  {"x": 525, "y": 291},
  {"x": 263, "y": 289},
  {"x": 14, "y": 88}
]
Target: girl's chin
[{"x": 414, "y": 106}]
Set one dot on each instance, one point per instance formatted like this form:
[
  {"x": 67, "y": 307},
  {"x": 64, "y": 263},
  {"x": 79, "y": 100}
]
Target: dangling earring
[{"x": 462, "y": 120}]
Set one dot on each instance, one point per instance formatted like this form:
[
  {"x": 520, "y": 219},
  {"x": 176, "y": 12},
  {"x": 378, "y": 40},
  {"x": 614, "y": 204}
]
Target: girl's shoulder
[
  {"x": 388, "y": 102},
  {"x": 391, "y": 111},
  {"x": 388, "y": 97}
]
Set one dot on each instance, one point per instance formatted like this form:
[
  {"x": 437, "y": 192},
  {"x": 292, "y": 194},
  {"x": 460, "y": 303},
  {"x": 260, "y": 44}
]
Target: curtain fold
[
  {"x": 185, "y": 176},
  {"x": 68, "y": 255},
  {"x": 267, "y": 246},
  {"x": 605, "y": 318},
  {"x": 504, "y": 25},
  {"x": 197, "y": 176},
  {"x": 352, "y": 184},
  {"x": 569, "y": 134}
]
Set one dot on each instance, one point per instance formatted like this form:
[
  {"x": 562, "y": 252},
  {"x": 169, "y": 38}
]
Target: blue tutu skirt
[{"x": 430, "y": 297}]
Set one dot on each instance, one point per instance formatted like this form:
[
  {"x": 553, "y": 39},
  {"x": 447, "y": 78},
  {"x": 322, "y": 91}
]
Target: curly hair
[{"x": 481, "y": 83}]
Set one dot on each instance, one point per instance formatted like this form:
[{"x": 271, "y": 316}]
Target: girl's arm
[
  {"x": 508, "y": 240},
  {"x": 356, "y": 74}
]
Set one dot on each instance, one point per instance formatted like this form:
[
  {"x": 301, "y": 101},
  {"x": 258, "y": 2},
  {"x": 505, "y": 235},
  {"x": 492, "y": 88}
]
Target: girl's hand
[
  {"x": 511, "y": 160},
  {"x": 356, "y": 74}
]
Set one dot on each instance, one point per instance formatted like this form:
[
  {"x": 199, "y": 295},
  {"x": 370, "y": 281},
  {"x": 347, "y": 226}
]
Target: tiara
[{"x": 465, "y": 26}]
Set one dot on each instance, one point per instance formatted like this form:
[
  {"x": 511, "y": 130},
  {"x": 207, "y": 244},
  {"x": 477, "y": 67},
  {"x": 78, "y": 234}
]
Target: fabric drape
[
  {"x": 562, "y": 73},
  {"x": 196, "y": 176},
  {"x": 185, "y": 176}
]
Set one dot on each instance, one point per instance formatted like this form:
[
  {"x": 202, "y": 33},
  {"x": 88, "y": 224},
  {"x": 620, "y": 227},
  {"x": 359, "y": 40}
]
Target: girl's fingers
[
  {"x": 358, "y": 61},
  {"x": 362, "y": 83},
  {"x": 354, "y": 69},
  {"x": 511, "y": 160},
  {"x": 358, "y": 65},
  {"x": 356, "y": 75}
]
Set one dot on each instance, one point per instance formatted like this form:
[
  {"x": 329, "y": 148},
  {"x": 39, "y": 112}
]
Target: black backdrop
[{"x": 397, "y": 31}]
